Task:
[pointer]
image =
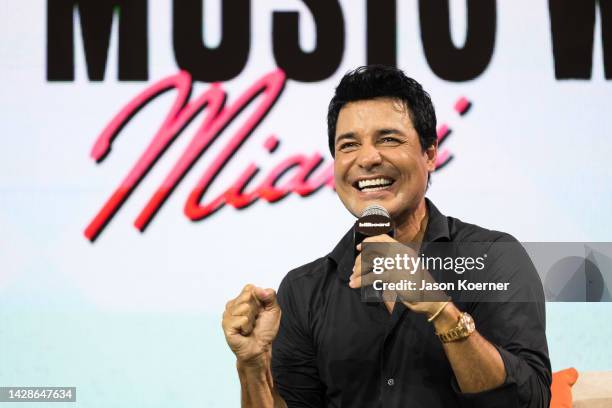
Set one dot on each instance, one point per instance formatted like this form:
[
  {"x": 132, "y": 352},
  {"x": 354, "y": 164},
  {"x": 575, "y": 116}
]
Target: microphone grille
[{"x": 375, "y": 209}]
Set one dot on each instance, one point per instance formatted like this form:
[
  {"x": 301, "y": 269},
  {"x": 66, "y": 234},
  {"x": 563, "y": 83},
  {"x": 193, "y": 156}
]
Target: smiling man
[{"x": 319, "y": 345}]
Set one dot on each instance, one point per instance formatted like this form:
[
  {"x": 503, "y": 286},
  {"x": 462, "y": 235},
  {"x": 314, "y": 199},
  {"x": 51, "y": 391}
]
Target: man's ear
[{"x": 431, "y": 155}]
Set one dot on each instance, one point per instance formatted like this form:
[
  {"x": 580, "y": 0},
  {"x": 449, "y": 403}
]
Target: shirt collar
[
  {"x": 344, "y": 252},
  {"x": 437, "y": 224},
  {"x": 344, "y": 255}
]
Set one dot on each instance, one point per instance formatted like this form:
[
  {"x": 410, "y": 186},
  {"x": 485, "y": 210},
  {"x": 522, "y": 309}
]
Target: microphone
[{"x": 374, "y": 220}]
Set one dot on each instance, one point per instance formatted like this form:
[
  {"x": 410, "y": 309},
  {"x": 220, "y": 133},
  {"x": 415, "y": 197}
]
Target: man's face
[{"x": 379, "y": 158}]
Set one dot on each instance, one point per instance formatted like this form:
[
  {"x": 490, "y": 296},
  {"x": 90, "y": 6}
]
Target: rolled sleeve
[
  {"x": 504, "y": 396},
  {"x": 523, "y": 387}
]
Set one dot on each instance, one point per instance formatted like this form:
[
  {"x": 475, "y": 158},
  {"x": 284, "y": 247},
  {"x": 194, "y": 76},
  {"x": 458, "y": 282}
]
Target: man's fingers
[
  {"x": 245, "y": 309},
  {"x": 240, "y": 313},
  {"x": 369, "y": 278},
  {"x": 355, "y": 278},
  {"x": 365, "y": 280},
  {"x": 248, "y": 305},
  {"x": 244, "y": 296},
  {"x": 246, "y": 325},
  {"x": 235, "y": 324},
  {"x": 247, "y": 296},
  {"x": 377, "y": 238},
  {"x": 355, "y": 282},
  {"x": 356, "y": 268}
]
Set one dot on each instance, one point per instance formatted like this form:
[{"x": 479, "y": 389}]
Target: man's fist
[{"x": 250, "y": 323}]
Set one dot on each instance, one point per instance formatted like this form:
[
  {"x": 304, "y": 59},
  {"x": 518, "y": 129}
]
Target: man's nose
[{"x": 369, "y": 157}]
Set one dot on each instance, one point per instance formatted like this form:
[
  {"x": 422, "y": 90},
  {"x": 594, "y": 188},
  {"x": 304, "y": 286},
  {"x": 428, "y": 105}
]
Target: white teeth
[
  {"x": 374, "y": 188},
  {"x": 375, "y": 184}
]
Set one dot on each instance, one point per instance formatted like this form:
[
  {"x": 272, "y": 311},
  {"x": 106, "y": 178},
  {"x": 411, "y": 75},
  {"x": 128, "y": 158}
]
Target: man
[{"x": 331, "y": 349}]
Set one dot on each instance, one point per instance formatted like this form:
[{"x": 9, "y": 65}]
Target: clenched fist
[{"x": 250, "y": 323}]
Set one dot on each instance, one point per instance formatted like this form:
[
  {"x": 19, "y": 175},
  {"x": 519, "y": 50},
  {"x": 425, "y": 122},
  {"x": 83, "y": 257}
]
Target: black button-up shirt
[{"x": 333, "y": 350}]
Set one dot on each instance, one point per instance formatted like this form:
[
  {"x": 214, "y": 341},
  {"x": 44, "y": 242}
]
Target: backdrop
[{"x": 158, "y": 155}]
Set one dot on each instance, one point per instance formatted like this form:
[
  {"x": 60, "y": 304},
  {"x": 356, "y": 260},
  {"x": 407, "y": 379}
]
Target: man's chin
[{"x": 379, "y": 197}]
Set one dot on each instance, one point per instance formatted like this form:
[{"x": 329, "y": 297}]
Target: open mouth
[{"x": 376, "y": 184}]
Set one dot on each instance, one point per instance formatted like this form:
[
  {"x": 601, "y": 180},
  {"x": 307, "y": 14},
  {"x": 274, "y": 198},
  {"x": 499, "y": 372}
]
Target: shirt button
[{"x": 390, "y": 382}]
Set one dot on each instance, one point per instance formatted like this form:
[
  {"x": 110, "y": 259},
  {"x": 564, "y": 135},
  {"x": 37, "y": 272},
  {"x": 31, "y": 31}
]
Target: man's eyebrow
[
  {"x": 348, "y": 135},
  {"x": 389, "y": 131}
]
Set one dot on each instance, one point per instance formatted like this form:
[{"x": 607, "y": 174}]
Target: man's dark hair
[{"x": 380, "y": 81}]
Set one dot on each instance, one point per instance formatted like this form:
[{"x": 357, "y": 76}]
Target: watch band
[{"x": 465, "y": 326}]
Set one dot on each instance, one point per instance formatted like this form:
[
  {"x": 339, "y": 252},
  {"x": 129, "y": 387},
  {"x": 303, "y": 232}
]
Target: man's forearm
[
  {"x": 476, "y": 363},
  {"x": 257, "y": 387}
]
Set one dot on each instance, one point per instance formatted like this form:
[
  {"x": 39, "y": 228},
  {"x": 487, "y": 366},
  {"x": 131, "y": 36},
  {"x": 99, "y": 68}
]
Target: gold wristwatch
[{"x": 465, "y": 326}]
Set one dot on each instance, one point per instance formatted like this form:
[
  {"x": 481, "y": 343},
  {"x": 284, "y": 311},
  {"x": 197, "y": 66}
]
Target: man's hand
[
  {"x": 250, "y": 323},
  {"x": 411, "y": 298}
]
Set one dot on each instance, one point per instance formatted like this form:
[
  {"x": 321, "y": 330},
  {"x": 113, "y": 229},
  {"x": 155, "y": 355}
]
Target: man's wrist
[
  {"x": 256, "y": 383},
  {"x": 257, "y": 364},
  {"x": 447, "y": 319},
  {"x": 434, "y": 312}
]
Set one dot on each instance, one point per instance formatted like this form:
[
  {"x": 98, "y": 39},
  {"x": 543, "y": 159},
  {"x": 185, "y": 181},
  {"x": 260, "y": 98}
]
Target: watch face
[
  {"x": 464, "y": 328},
  {"x": 468, "y": 322}
]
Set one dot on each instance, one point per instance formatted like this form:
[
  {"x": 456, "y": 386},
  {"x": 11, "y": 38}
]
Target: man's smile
[
  {"x": 373, "y": 187},
  {"x": 373, "y": 183}
]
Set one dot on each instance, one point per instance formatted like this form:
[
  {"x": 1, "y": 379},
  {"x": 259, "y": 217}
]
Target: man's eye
[
  {"x": 348, "y": 145},
  {"x": 389, "y": 139}
]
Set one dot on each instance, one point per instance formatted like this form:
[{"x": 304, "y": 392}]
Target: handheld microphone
[{"x": 374, "y": 220}]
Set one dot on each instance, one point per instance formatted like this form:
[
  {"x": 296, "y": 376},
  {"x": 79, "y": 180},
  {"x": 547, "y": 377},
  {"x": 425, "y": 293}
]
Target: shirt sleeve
[
  {"x": 514, "y": 322},
  {"x": 294, "y": 367}
]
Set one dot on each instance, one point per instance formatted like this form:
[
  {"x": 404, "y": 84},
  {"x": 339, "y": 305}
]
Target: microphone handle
[{"x": 368, "y": 293}]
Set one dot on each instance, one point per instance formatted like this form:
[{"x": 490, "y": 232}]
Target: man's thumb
[{"x": 267, "y": 298}]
